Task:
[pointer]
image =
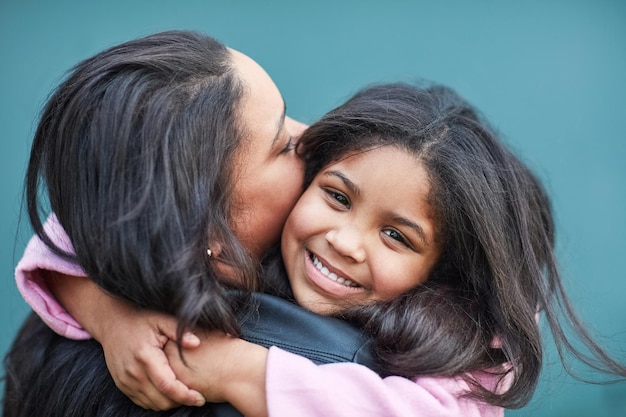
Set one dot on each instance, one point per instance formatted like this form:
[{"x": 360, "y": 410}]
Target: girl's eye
[
  {"x": 338, "y": 198},
  {"x": 289, "y": 146},
  {"x": 397, "y": 236}
]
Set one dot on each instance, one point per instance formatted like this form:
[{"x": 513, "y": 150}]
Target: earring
[{"x": 209, "y": 252}]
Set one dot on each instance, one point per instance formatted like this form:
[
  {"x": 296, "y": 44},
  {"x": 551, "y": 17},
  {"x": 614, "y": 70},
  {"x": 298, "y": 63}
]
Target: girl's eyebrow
[
  {"x": 346, "y": 181},
  {"x": 413, "y": 226}
]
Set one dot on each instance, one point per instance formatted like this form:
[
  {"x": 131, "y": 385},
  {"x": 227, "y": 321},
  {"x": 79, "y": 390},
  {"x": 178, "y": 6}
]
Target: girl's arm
[
  {"x": 32, "y": 276},
  {"x": 75, "y": 307},
  {"x": 225, "y": 369},
  {"x": 261, "y": 382},
  {"x": 348, "y": 389}
]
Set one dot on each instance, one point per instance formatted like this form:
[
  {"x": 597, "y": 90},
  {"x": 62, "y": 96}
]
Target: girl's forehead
[{"x": 373, "y": 151}]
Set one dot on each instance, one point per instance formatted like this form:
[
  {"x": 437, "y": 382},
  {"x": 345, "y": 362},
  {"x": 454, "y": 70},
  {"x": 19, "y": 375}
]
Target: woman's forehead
[{"x": 262, "y": 109}]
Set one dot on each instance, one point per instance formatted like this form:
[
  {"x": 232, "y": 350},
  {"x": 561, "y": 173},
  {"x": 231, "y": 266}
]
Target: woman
[{"x": 110, "y": 132}]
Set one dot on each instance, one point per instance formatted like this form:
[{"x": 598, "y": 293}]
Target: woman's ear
[{"x": 214, "y": 250}]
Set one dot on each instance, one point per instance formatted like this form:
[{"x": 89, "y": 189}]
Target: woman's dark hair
[
  {"x": 134, "y": 152},
  {"x": 48, "y": 375},
  {"x": 478, "y": 309}
]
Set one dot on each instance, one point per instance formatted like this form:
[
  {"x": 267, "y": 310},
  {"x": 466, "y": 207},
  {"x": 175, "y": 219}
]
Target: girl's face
[
  {"x": 268, "y": 174},
  {"x": 362, "y": 231}
]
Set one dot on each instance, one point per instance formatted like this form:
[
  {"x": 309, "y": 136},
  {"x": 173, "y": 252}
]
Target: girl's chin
[{"x": 318, "y": 305}]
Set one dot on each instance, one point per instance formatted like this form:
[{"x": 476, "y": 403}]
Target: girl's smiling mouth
[
  {"x": 326, "y": 278},
  {"x": 324, "y": 270}
]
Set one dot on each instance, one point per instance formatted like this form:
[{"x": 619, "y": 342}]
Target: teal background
[{"x": 551, "y": 75}]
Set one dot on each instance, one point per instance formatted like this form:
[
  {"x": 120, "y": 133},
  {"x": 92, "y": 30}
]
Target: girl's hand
[
  {"x": 133, "y": 349},
  {"x": 132, "y": 340},
  {"x": 224, "y": 369}
]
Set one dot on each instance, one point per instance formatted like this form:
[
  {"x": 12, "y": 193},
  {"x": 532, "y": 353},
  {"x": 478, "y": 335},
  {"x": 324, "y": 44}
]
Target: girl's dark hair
[
  {"x": 478, "y": 309},
  {"x": 134, "y": 152}
]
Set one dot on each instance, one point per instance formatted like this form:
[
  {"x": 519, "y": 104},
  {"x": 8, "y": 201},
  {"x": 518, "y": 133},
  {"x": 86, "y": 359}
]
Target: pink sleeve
[
  {"x": 296, "y": 386},
  {"x": 31, "y": 280}
]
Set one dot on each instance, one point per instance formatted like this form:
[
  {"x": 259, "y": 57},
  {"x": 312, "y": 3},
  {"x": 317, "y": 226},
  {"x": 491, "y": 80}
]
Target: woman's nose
[{"x": 348, "y": 242}]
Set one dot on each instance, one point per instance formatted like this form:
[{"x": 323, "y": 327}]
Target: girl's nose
[{"x": 347, "y": 242}]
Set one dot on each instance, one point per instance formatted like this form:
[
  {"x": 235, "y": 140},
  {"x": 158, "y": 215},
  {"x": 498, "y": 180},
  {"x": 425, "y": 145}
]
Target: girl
[{"x": 410, "y": 193}]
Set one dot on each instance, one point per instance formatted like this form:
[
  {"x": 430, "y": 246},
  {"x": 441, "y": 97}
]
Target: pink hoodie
[{"x": 295, "y": 385}]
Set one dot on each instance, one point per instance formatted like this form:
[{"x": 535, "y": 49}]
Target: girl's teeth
[{"x": 332, "y": 275}]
